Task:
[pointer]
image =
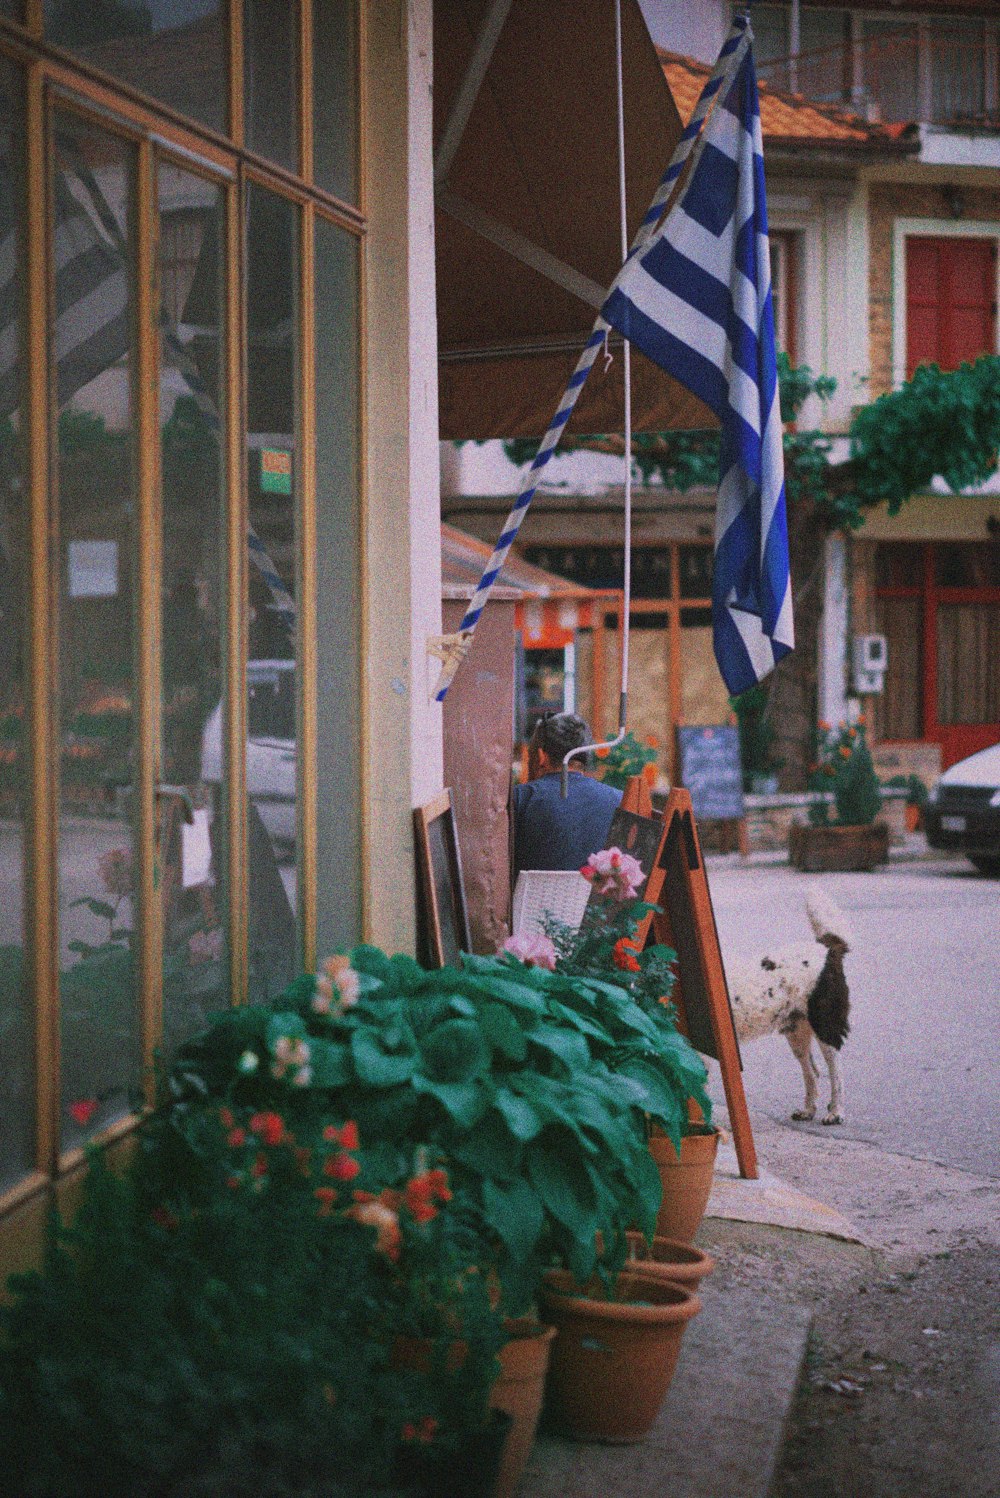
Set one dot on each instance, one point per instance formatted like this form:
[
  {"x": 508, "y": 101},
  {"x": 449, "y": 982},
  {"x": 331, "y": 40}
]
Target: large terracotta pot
[
  {"x": 668, "y": 1259},
  {"x": 524, "y": 1362},
  {"x": 613, "y": 1360},
  {"x": 687, "y": 1181}
]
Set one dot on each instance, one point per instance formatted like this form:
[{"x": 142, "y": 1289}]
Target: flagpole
[{"x": 453, "y": 648}]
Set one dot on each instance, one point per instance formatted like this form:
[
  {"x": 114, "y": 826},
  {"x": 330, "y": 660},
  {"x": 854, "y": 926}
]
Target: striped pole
[{"x": 456, "y": 646}]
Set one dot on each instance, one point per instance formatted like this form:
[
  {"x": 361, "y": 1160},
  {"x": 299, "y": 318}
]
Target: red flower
[
  {"x": 409, "y": 1431},
  {"x": 423, "y": 1191},
  {"x": 428, "y": 1428},
  {"x": 83, "y": 1111},
  {"x": 603, "y": 752},
  {"x": 236, "y": 1137},
  {"x": 233, "y": 1182},
  {"x": 349, "y": 1135},
  {"x": 259, "y": 1167},
  {"x": 624, "y": 956},
  {"x": 164, "y": 1218},
  {"x": 326, "y": 1196},
  {"x": 226, "y": 1118},
  {"x": 341, "y": 1167},
  {"x": 270, "y": 1127}
]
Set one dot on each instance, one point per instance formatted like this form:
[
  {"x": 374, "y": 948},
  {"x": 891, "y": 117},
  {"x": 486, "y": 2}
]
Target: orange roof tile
[{"x": 785, "y": 118}]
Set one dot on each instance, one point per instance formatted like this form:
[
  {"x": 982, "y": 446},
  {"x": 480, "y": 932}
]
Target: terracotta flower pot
[
  {"x": 613, "y": 1360},
  {"x": 687, "y": 1181},
  {"x": 524, "y": 1361},
  {"x": 422, "y": 1354},
  {"x": 668, "y": 1259}
]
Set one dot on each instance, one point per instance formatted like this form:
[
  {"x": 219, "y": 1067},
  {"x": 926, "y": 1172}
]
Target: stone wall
[{"x": 770, "y": 817}]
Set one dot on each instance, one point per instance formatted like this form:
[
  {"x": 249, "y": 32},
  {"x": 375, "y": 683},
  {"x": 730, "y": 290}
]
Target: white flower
[
  {"x": 248, "y": 1063},
  {"x": 302, "y": 1077}
]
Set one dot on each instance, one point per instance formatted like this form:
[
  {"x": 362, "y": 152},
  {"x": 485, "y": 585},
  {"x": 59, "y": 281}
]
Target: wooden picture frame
[{"x": 439, "y": 876}]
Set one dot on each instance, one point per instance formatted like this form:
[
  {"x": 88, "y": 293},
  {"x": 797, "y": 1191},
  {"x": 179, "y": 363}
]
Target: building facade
[{"x": 218, "y": 485}]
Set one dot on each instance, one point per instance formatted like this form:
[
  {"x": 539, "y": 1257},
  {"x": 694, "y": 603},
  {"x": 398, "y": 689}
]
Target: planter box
[{"x": 844, "y": 849}]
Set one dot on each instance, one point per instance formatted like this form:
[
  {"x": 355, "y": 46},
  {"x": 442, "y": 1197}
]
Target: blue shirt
[{"x": 550, "y": 833}]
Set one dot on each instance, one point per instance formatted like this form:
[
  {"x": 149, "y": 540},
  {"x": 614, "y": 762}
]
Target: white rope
[{"x": 627, "y": 424}]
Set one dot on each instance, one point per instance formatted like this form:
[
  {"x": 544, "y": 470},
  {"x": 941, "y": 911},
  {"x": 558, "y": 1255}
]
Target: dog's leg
[
  {"x": 835, "y": 1108},
  {"x": 799, "y": 1037}
]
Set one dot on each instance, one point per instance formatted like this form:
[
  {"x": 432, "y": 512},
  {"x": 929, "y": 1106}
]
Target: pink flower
[
  {"x": 115, "y": 868},
  {"x": 83, "y": 1111},
  {"x": 614, "y": 874},
  {"x": 532, "y": 948},
  {"x": 337, "y": 987}
]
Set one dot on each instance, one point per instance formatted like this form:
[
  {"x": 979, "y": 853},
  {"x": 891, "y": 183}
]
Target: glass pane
[
  {"x": 968, "y": 644},
  {"x": 335, "y": 91},
  {"x": 271, "y": 80},
  {"x": 704, "y": 698},
  {"x": 696, "y": 571},
  {"x": 173, "y": 50},
  {"x": 93, "y": 205},
  {"x": 11, "y": 8},
  {"x": 958, "y": 75},
  {"x": 892, "y": 67},
  {"x": 17, "y": 1099},
  {"x": 967, "y": 564},
  {"x": 272, "y": 778},
  {"x": 338, "y": 564},
  {"x": 195, "y": 970}
]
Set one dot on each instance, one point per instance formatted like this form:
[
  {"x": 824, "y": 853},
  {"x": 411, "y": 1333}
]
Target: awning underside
[{"x": 527, "y": 233}]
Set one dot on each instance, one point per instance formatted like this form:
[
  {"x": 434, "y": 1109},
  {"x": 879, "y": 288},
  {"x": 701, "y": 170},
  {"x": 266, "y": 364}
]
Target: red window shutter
[{"x": 950, "y": 301}]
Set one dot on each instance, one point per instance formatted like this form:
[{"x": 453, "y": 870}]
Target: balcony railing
[{"x": 931, "y": 79}]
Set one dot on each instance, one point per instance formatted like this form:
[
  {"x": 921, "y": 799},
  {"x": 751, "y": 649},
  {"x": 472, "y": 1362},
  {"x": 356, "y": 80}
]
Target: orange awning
[{"x": 527, "y": 235}]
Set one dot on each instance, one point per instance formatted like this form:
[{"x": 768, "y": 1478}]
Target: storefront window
[
  {"x": 338, "y": 566},
  {"x": 17, "y": 1107},
  {"x": 195, "y": 969},
  {"x": 335, "y": 132},
  {"x": 968, "y": 648},
  {"x": 271, "y": 80},
  {"x": 272, "y": 687},
  {"x": 93, "y": 194},
  {"x": 173, "y": 50}
]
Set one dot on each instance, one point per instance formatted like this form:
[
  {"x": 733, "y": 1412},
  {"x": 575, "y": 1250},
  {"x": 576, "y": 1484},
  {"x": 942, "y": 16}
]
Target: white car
[
  {"x": 270, "y": 747},
  {"x": 963, "y": 813}
]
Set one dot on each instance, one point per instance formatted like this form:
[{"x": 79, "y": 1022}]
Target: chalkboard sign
[
  {"x": 439, "y": 865},
  {"x": 640, "y": 836},
  {"x": 709, "y": 767}
]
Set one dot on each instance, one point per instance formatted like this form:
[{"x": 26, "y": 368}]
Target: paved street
[{"x": 922, "y": 1064}]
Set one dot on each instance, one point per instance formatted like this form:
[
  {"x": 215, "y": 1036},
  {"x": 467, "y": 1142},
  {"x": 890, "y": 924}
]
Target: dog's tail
[{"x": 828, "y": 921}]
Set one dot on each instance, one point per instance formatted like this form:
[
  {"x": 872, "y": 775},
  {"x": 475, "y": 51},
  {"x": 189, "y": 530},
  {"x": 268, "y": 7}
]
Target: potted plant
[
  {"x": 757, "y": 739},
  {"x": 618, "y": 763},
  {"x": 683, "y": 1153},
  {"x": 853, "y": 840}
]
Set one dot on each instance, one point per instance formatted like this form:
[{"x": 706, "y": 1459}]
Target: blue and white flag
[{"x": 697, "y": 301}]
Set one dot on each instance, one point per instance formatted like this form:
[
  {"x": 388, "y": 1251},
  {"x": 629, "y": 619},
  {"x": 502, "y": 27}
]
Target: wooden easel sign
[{"x": 679, "y": 885}]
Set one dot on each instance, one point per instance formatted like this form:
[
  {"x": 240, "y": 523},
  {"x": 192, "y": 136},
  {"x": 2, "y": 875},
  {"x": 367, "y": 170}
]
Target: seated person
[{"x": 549, "y": 832}]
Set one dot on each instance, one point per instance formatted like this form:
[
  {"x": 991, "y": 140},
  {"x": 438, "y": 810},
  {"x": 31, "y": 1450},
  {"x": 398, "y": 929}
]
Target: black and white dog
[{"x": 801, "y": 992}]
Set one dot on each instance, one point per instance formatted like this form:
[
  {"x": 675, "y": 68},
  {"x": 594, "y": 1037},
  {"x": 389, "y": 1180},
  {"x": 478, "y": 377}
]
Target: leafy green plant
[
  {"x": 617, "y": 764},
  {"x": 533, "y": 1086},
  {"x": 844, "y": 767}
]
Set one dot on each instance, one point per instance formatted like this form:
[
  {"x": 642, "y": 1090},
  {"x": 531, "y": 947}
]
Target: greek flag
[{"x": 697, "y": 301}]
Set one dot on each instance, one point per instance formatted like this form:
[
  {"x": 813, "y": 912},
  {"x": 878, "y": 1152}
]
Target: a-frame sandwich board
[{"x": 678, "y": 883}]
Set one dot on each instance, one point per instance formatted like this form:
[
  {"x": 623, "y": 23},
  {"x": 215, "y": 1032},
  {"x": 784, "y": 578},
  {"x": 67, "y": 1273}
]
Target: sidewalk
[{"x": 722, "y": 1426}]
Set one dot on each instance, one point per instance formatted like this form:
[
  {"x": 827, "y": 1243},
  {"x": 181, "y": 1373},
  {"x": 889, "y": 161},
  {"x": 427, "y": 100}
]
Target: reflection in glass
[
  {"x": 338, "y": 830},
  {"x": 272, "y": 313},
  {"x": 17, "y": 1103},
  {"x": 93, "y": 188},
  {"x": 195, "y": 973},
  {"x": 271, "y": 80},
  {"x": 12, "y": 8},
  {"x": 335, "y": 92},
  {"x": 173, "y": 50}
]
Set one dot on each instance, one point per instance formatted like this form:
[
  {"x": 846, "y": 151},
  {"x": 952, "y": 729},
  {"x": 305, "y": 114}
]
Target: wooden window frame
[
  {"x": 930, "y": 228},
  {"x": 55, "y": 79}
]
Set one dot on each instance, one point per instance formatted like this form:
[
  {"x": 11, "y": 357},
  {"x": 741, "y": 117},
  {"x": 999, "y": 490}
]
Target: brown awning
[{"x": 526, "y": 169}]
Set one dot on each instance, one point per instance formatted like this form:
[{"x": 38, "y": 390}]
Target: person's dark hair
[{"x": 560, "y": 733}]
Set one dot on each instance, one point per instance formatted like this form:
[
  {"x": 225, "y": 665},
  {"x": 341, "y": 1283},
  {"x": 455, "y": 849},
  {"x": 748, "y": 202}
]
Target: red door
[{"x": 950, "y": 301}]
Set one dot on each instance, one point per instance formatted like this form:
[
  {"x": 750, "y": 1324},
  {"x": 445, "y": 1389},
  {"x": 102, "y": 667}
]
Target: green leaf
[
  {"x": 568, "y": 1045},
  {"x": 454, "y": 1051},
  {"x": 96, "y": 907},
  {"x": 518, "y": 1114},
  {"x": 491, "y": 1152},
  {"x": 376, "y": 1065},
  {"x": 330, "y": 1064},
  {"x": 564, "y": 1187},
  {"x": 515, "y": 1214},
  {"x": 517, "y": 995},
  {"x": 287, "y": 1023},
  {"x": 465, "y": 1102},
  {"x": 503, "y": 1032},
  {"x": 645, "y": 1178}
]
